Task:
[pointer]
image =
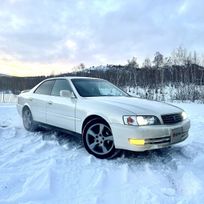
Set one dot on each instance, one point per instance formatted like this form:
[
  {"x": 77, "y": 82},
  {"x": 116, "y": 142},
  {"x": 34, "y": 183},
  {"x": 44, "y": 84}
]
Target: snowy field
[
  {"x": 53, "y": 168},
  {"x": 7, "y": 97}
]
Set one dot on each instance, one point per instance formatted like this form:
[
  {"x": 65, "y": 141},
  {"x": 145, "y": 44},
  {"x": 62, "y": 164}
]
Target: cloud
[{"x": 94, "y": 31}]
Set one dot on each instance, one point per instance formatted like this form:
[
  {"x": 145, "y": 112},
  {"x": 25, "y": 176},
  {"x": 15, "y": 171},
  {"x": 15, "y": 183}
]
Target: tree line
[{"x": 181, "y": 67}]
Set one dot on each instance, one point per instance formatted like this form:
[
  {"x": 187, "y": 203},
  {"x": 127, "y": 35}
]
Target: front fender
[{"x": 109, "y": 113}]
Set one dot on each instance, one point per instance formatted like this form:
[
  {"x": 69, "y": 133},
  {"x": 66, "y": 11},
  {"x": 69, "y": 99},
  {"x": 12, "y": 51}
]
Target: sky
[{"x": 42, "y": 37}]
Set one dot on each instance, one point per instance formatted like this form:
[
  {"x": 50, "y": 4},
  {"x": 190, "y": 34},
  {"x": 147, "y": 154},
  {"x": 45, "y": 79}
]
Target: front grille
[{"x": 172, "y": 118}]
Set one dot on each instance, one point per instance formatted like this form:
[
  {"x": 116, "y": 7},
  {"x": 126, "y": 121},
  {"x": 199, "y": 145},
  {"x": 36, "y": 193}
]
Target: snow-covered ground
[
  {"x": 53, "y": 168},
  {"x": 7, "y": 97}
]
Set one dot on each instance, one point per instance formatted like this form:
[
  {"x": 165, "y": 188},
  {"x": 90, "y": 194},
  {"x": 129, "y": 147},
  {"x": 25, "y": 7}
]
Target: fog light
[{"x": 136, "y": 141}]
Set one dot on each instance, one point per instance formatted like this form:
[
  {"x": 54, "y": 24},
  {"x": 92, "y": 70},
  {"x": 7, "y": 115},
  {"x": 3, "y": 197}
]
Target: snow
[
  {"x": 7, "y": 97},
  {"x": 52, "y": 168},
  {"x": 169, "y": 92}
]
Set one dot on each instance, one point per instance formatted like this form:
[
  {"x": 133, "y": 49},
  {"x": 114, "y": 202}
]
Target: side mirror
[{"x": 67, "y": 94}]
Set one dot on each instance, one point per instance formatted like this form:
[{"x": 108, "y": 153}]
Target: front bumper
[{"x": 155, "y": 137}]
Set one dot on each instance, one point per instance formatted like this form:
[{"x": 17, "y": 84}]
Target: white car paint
[{"x": 70, "y": 113}]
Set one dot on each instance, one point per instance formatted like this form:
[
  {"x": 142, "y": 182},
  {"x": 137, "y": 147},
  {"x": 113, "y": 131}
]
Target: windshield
[{"x": 96, "y": 87}]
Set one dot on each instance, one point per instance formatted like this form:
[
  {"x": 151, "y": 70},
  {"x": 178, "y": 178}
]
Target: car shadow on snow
[
  {"x": 170, "y": 157},
  {"x": 163, "y": 155},
  {"x": 62, "y": 138}
]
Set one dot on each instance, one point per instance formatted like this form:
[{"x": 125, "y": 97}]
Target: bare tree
[
  {"x": 147, "y": 63},
  {"x": 179, "y": 56},
  {"x": 133, "y": 63},
  {"x": 167, "y": 61},
  {"x": 196, "y": 59},
  {"x": 158, "y": 60}
]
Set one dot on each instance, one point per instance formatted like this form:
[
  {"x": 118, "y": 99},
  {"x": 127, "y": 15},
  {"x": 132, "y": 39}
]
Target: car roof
[{"x": 72, "y": 77}]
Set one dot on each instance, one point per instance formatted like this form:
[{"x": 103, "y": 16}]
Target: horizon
[{"x": 46, "y": 37}]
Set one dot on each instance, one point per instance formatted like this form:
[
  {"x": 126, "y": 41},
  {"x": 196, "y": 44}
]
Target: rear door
[
  {"x": 61, "y": 110},
  {"x": 39, "y": 99}
]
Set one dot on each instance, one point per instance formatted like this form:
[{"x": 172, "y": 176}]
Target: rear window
[{"x": 45, "y": 88}]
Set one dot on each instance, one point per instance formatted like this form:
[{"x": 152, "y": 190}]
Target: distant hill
[{"x": 4, "y": 75}]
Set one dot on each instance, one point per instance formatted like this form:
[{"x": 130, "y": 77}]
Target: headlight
[
  {"x": 141, "y": 120},
  {"x": 130, "y": 120},
  {"x": 184, "y": 115},
  {"x": 148, "y": 120}
]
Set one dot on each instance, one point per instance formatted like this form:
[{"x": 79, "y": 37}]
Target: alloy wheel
[
  {"x": 27, "y": 118},
  {"x": 99, "y": 139}
]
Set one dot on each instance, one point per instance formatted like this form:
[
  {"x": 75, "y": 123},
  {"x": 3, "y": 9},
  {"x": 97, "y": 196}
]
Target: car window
[
  {"x": 96, "y": 87},
  {"x": 60, "y": 84},
  {"x": 45, "y": 88}
]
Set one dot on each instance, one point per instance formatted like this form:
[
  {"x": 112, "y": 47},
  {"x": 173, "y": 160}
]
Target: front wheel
[
  {"x": 28, "y": 121},
  {"x": 98, "y": 139}
]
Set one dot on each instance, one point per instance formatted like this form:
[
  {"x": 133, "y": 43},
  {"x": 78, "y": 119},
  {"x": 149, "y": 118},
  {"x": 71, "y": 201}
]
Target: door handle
[{"x": 50, "y": 102}]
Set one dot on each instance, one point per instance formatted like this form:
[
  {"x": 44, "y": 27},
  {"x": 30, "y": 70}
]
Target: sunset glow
[
  {"x": 17, "y": 68},
  {"x": 44, "y": 37}
]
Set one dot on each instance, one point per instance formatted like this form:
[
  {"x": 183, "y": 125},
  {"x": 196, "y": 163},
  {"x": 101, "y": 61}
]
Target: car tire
[
  {"x": 28, "y": 122},
  {"x": 98, "y": 139}
]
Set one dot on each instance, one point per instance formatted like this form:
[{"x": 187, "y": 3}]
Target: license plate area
[{"x": 176, "y": 135}]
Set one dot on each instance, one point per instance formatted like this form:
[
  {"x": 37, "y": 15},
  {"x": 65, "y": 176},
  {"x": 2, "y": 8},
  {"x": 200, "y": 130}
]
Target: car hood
[{"x": 137, "y": 105}]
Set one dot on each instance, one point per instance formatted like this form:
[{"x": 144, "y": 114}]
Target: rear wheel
[
  {"x": 98, "y": 139},
  {"x": 28, "y": 121}
]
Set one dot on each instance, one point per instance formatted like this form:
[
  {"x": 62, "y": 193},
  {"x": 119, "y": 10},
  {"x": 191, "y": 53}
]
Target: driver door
[{"x": 61, "y": 110}]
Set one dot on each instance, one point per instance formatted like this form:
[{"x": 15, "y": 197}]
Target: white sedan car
[{"x": 107, "y": 118}]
